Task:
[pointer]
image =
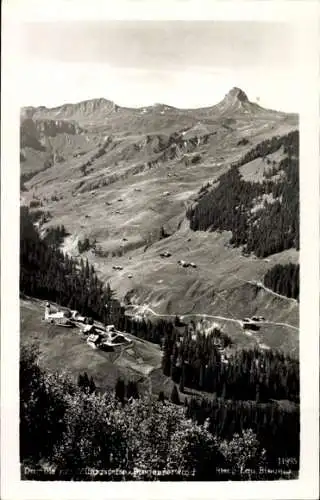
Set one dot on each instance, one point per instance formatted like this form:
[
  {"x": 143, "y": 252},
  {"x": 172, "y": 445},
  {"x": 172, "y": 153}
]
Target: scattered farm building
[
  {"x": 165, "y": 254},
  {"x": 94, "y": 340},
  {"x": 250, "y": 325},
  {"x": 77, "y": 317},
  {"x": 59, "y": 318}
]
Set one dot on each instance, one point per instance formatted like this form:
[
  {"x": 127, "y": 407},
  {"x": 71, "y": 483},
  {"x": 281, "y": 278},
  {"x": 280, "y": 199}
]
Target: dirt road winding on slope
[
  {"x": 259, "y": 284},
  {"x": 264, "y": 342},
  {"x": 143, "y": 309}
]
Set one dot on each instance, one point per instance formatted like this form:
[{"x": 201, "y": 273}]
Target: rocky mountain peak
[
  {"x": 236, "y": 93},
  {"x": 235, "y": 100}
]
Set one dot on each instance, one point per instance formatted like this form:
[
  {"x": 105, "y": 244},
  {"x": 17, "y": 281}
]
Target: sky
[{"x": 179, "y": 63}]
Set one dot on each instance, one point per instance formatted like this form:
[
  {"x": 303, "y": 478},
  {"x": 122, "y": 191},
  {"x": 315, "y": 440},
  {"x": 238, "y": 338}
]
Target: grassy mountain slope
[
  {"x": 117, "y": 176},
  {"x": 63, "y": 348}
]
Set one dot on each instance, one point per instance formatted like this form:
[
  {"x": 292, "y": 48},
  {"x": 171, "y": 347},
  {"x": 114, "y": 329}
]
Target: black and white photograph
[{"x": 159, "y": 250}]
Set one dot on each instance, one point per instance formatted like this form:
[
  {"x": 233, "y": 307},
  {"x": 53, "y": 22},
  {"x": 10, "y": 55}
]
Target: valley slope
[{"x": 124, "y": 178}]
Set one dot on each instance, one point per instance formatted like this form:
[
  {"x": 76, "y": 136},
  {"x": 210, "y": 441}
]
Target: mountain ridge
[{"x": 234, "y": 95}]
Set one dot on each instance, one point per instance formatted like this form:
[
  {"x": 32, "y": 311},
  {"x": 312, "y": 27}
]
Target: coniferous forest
[
  {"x": 49, "y": 274},
  {"x": 261, "y": 225},
  {"x": 243, "y": 374},
  {"x": 284, "y": 279}
]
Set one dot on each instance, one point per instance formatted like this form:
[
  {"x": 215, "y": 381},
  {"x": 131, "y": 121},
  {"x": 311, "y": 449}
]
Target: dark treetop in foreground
[{"x": 72, "y": 430}]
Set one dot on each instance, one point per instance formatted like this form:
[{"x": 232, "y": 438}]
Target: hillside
[
  {"x": 126, "y": 178},
  {"x": 66, "y": 349}
]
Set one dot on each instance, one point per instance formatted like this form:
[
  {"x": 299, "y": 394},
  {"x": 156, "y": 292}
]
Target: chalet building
[
  {"x": 94, "y": 340},
  {"x": 58, "y": 318}
]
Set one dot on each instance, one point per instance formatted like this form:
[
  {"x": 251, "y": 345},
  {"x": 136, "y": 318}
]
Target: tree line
[{"x": 261, "y": 226}]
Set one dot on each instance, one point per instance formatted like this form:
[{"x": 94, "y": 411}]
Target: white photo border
[{"x": 306, "y": 13}]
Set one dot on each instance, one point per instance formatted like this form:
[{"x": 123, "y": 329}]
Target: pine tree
[
  {"x": 202, "y": 373},
  {"x": 132, "y": 390},
  {"x": 92, "y": 386},
  {"x": 120, "y": 389},
  {"x": 87, "y": 270},
  {"x": 80, "y": 381},
  {"x": 177, "y": 321},
  {"x": 174, "y": 398},
  {"x": 182, "y": 378},
  {"x": 161, "y": 397},
  {"x": 86, "y": 380},
  {"x": 166, "y": 357}
]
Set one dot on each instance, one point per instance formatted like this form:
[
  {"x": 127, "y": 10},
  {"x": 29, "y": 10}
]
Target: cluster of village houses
[
  {"x": 107, "y": 337},
  {"x": 98, "y": 337}
]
